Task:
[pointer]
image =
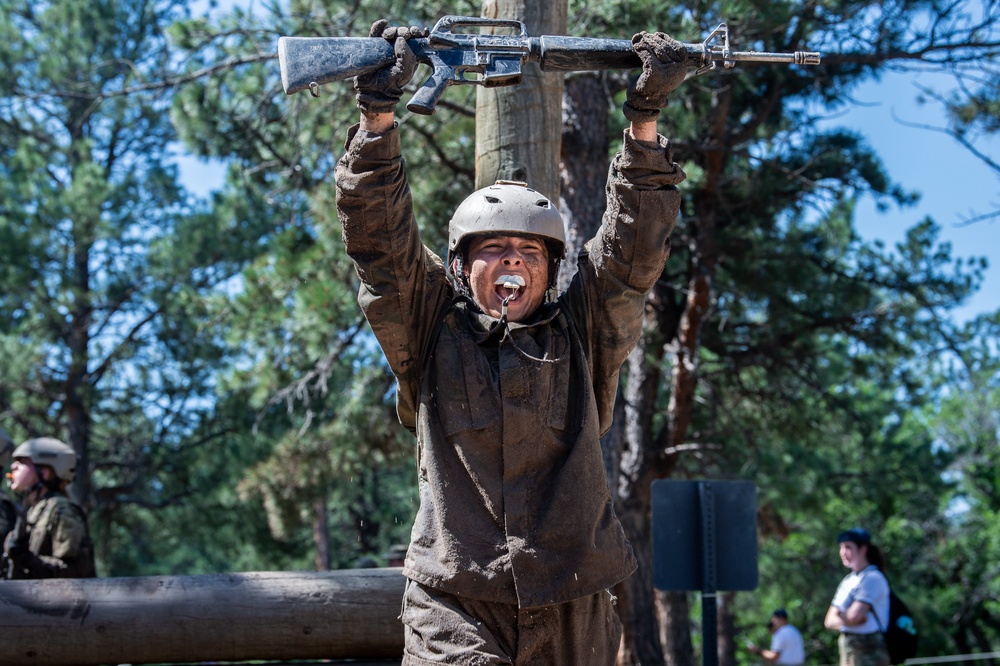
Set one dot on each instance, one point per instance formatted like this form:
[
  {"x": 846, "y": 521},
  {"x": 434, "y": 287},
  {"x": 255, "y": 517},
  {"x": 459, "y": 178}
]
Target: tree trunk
[
  {"x": 641, "y": 644},
  {"x": 583, "y": 164},
  {"x": 350, "y": 614},
  {"x": 518, "y": 127},
  {"x": 675, "y": 614},
  {"x": 726, "y": 629},
  {"x": 321, "y": 532},
  {"x": 76, "y": 392}
]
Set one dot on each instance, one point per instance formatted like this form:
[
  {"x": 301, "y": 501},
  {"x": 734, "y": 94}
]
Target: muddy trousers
[{"x": 441, "y": 628}]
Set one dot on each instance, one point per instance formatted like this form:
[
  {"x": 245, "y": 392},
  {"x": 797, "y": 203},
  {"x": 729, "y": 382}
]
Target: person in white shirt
[
  {"x": 787, "y": 648},
  {"x": 860, "y": 608}
]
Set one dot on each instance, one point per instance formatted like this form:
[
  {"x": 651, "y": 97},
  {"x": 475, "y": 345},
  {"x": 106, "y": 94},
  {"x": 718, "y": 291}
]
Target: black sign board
[{"x": 704, "y": 535}]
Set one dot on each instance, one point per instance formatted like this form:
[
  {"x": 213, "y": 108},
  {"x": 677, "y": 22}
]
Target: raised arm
[
  {"x": 403, "y": 284},
  {"x": 626, "y": 257}
]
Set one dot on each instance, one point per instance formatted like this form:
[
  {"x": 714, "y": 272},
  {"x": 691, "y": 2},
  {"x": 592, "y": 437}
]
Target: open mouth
[{"x": 509, "y": 286}]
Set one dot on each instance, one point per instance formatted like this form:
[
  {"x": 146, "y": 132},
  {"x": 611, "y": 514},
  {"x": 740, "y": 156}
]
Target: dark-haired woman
[{"x": 860, "y": 608}]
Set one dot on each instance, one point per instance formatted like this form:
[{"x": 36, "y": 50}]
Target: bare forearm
[
  {"x": 856, "y": 614},
  {"x": 377, "y": 123},
  {"x": 644, "y": 131},
  {"x": 769, "y": 655},
  {"x": 833, "y": 618}
]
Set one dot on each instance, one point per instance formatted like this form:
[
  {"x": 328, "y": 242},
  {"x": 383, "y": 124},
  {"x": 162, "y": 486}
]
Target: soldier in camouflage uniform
[
  {"x": 515, "y": 545},
  {"x": 51, "y": 539},
  {"x": 860, "y": 608}
]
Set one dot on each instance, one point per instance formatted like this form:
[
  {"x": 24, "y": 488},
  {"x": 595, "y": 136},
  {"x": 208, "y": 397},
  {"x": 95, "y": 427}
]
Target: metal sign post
[
  {"x": 705, "y": 538},
  {"x": 709, "y": 607}
]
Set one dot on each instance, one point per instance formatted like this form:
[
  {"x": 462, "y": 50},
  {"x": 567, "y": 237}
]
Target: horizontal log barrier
[{"x": 347, "y": 614}]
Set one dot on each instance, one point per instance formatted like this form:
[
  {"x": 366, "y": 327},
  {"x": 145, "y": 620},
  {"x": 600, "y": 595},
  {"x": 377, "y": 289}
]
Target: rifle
[{"x": 490, "y": 60}]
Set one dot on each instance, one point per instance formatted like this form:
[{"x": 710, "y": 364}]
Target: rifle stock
[
  {"x": 316, "y": 61},
  {"x": 492, "y": 60}
]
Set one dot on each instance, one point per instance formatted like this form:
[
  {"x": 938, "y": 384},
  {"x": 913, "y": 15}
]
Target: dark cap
[
  {"x": 856, "y": 535},
  {"x": 781, "y": 612}
]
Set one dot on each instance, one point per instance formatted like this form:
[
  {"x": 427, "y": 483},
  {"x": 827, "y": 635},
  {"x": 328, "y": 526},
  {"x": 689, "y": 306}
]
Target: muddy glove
[
  {"x": 663, "y": 69},
  {"x": 379, "y": 91}
]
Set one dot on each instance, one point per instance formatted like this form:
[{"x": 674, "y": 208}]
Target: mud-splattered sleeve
[
  {"x": 625, "y": 258},
  {"x": 403, "y": 284}
]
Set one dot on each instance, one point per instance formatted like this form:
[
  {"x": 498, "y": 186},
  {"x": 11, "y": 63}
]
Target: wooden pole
[
  {"x": 519, "y": 128},
  {"x": 348, "y": 614}
]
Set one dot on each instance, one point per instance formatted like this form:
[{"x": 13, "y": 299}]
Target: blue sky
[{"x": 954, "y": 184}]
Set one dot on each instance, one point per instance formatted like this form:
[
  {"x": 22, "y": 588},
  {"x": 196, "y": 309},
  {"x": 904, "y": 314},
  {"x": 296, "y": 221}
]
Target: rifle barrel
[
  {"x": 796, "y": 58},
  {"x": 580, "y": 54}
]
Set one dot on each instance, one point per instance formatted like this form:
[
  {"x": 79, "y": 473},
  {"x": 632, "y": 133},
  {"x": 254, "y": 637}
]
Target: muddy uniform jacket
[
  {"x": 58, "y": 540},
  {"x": 514, "y": 501}
]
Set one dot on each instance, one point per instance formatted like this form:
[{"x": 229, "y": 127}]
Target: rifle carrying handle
[
  {"x": 445, "y": 24},
  {"x": 427, "y": 96}
]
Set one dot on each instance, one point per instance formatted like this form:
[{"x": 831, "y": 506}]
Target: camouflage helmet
[
  {"x": 6, "y": 447},
  {"x": 50, "y": 451},
  {"x": 507, "y": 208}
]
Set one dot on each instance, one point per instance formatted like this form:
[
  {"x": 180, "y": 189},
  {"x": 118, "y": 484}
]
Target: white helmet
[
  {"x": 52, "y": 452},
  {"x": 508, "y": 208}
]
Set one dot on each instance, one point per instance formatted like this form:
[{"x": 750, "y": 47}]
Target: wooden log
[{"x": 348, "y": 614}]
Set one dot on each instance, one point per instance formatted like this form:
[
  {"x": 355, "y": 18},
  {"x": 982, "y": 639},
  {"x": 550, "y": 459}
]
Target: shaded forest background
[{"x": 208, "y": 361}]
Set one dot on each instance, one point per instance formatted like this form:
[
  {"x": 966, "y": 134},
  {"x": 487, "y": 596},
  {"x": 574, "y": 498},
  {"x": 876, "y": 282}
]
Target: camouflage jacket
[
  {"x": 58, "y": 539},
  {"x": 514, "y": 499}
]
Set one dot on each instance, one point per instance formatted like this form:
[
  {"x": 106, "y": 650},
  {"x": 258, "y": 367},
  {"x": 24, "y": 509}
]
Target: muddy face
[{"x": 502, "y": 267}]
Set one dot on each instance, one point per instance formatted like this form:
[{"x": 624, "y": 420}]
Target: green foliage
[
  {"x": 960, "y": 581},
  {"x": 106, "y": 268}
]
